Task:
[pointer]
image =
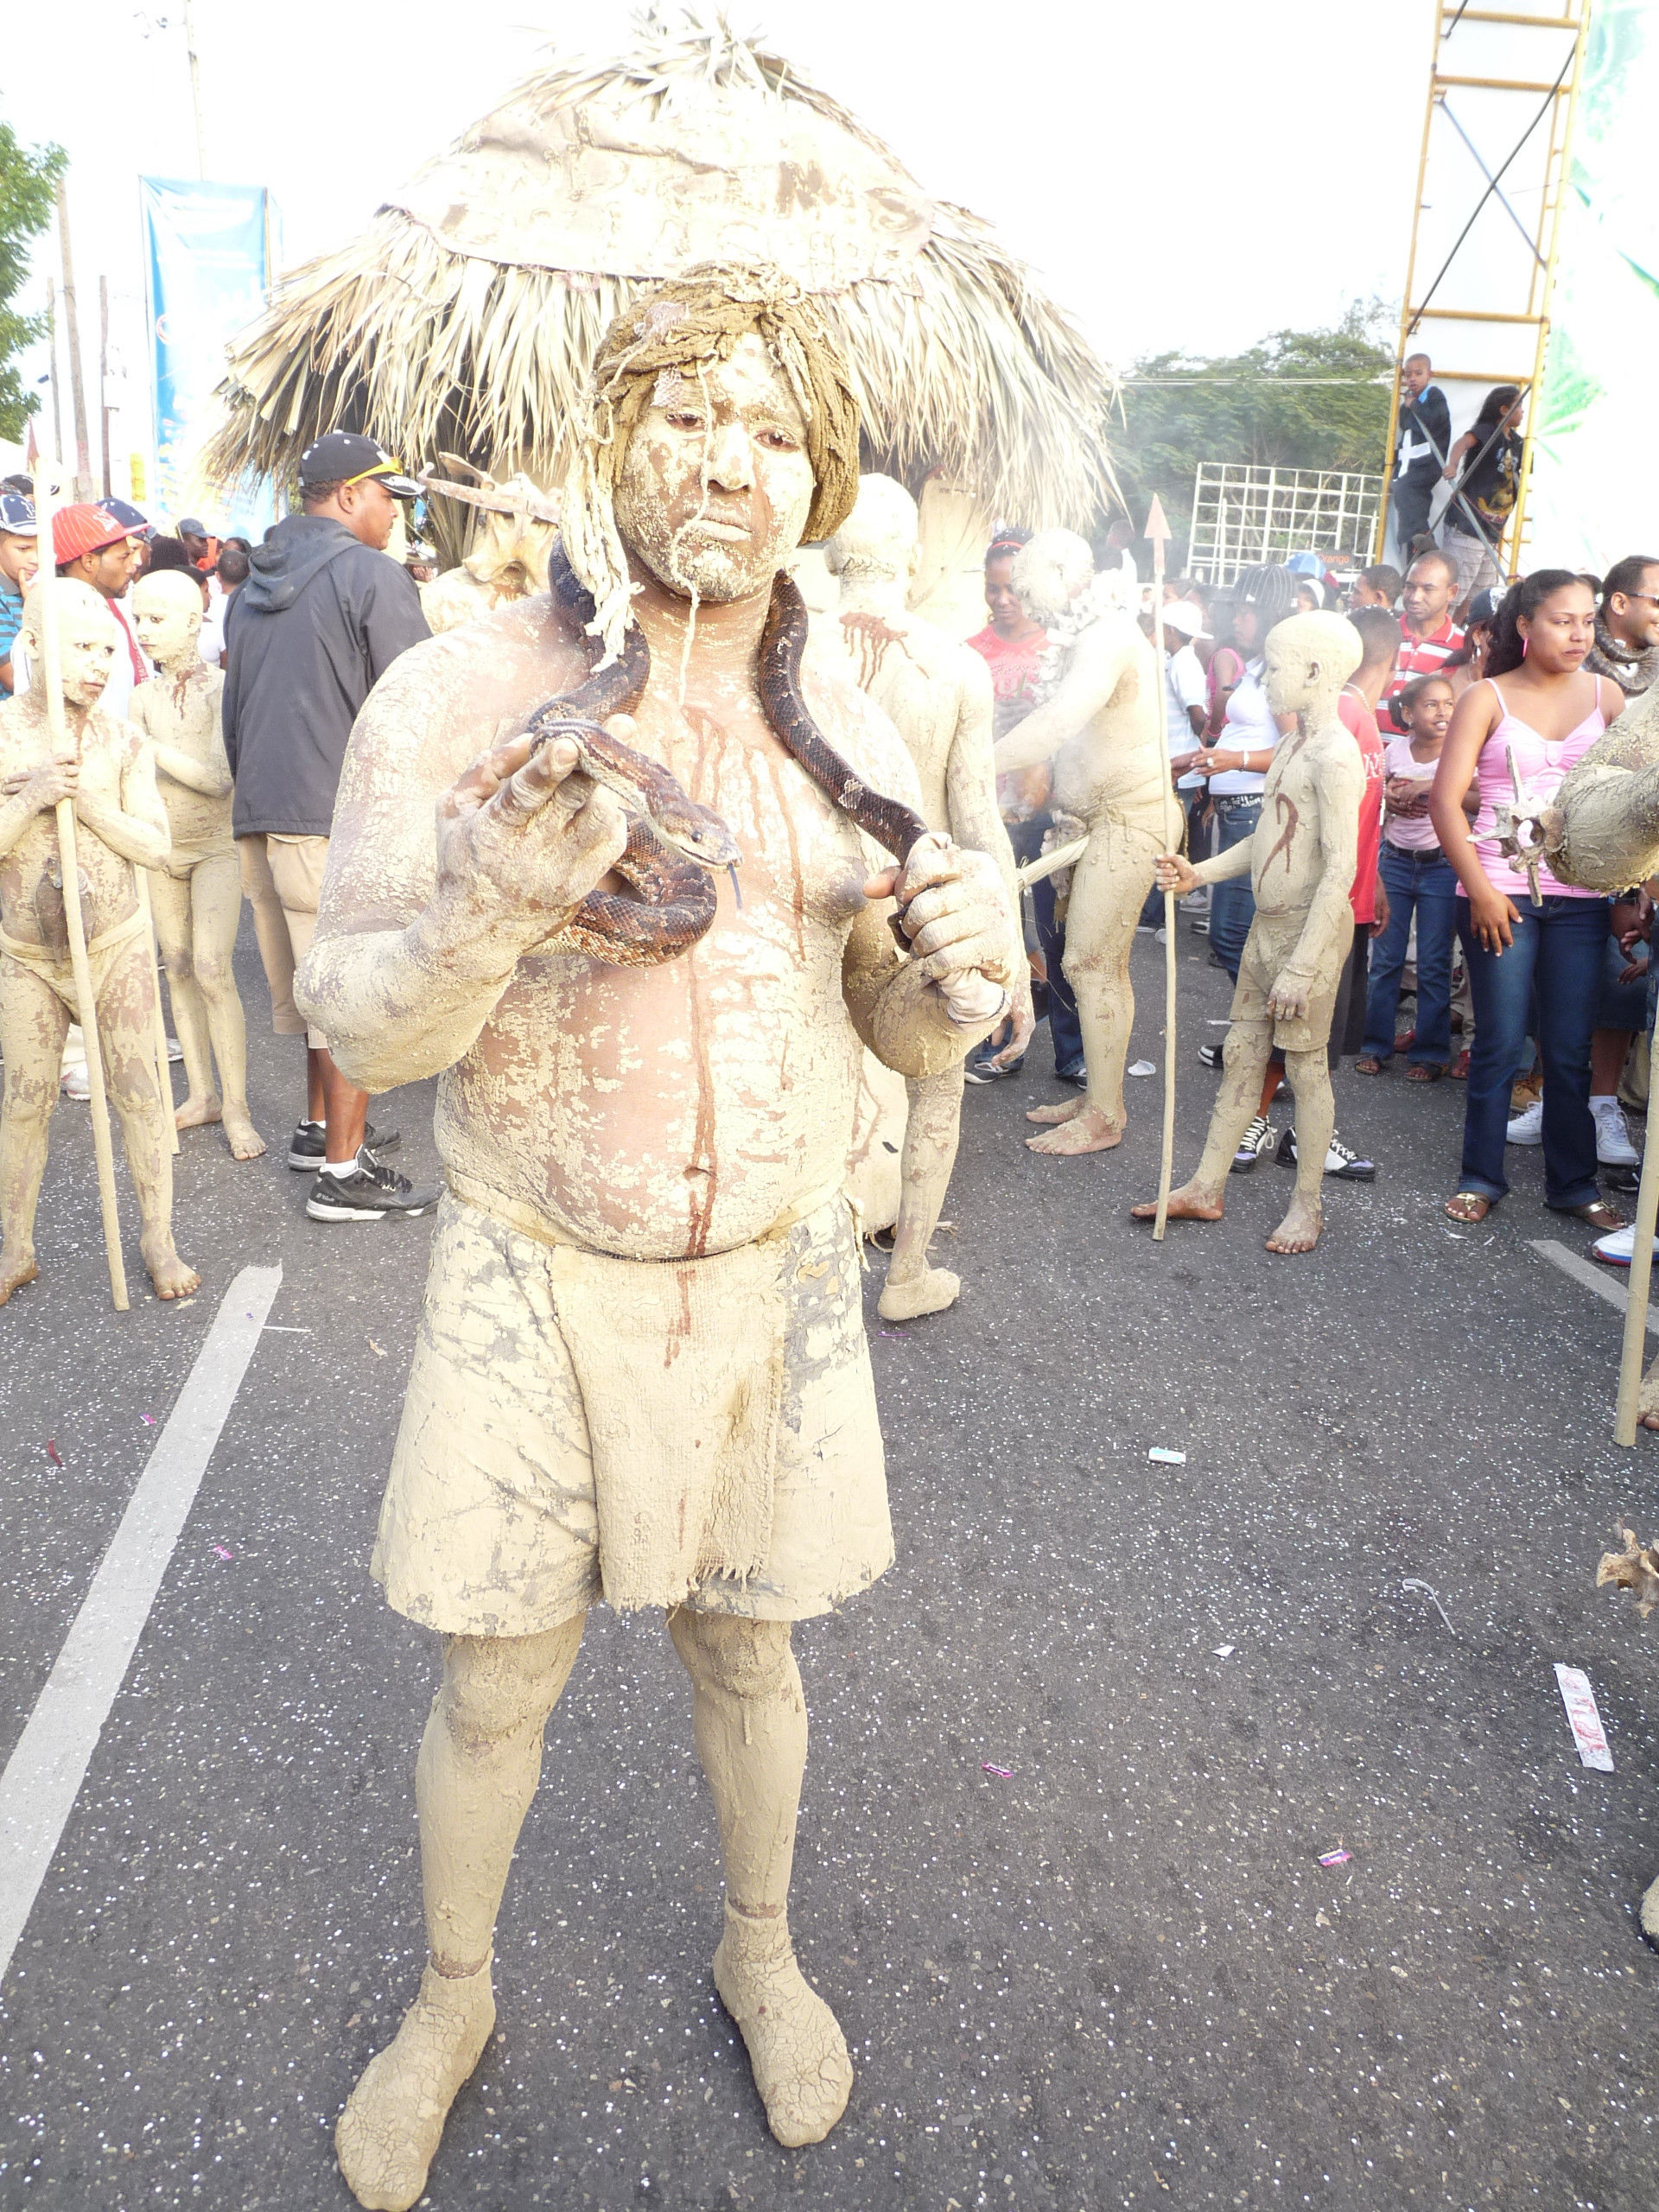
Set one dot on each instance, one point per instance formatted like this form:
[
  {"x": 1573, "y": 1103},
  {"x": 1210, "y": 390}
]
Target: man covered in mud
[
  {"x": 120, "y": 825},
  {"x": 641, "y": 1372}
]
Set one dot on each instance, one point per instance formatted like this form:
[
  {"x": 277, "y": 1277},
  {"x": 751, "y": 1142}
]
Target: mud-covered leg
[
  {"x": 750, "y": 1721},
  {"x": 169, "y": 900},
  {"x": 34, "y": 1022},
  {"x": 479, "y": 1763},
  {"x": 125, "y": 1029},
  {"x": 1245, "y": 1062},
  {"x": 1108, "y": 889},
  {"x": 1309, "y": 1076},
  {"x": 215, "y": 913},
  {"x": 932, "y": 1131}
]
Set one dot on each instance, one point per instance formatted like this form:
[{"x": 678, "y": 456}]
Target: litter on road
[
  {"x": 1166, "y": 1458},
  {"x": 1585, "y": 1721}
]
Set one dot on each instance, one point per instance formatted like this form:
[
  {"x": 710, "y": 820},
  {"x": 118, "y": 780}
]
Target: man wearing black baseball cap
[{"x": 322, "y": 616}]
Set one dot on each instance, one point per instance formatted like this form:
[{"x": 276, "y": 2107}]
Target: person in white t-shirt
[{"x": 1236, "y": 764}]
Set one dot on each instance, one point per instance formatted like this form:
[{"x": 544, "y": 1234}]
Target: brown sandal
[
  {"x": 1369, "y": 1064},
  {"x": 1600, "y": 1215},
  {"x": 1468, "y": 1206},
  {"x": 1419, "y": 1071}
]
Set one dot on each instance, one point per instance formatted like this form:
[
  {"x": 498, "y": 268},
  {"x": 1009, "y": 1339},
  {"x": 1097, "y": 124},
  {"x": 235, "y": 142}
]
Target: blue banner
[{"x": 206, "y": 275}]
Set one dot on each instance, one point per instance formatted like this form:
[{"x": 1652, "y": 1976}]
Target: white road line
[
  {"x": 44, "y": 1774},
  {"x": 1606, "y": 1282}
]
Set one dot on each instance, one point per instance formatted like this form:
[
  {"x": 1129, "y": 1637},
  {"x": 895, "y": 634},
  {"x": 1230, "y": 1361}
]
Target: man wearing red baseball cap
[{"x": 90, "y": 546}]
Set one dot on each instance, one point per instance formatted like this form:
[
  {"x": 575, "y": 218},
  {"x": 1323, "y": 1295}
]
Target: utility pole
[
  {"x": 102, "y": 374},
  {"x": 195, "y": 84},
  {"x": 71, "y": 331},
  {"x": 52, "y": 339}
]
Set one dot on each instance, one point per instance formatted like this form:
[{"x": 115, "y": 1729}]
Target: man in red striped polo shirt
[{"x": 1428, "y": 636}]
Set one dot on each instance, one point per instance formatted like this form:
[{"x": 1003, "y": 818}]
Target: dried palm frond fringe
[{"x": 967, "y": 369}]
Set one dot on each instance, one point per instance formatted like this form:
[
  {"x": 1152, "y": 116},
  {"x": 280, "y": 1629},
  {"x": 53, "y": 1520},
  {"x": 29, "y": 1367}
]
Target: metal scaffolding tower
[{"x": 1497, "y": 131}]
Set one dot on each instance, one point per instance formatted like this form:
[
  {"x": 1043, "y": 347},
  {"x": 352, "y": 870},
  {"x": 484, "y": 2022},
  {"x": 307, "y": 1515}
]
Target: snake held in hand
[{"x": 674, "y": 843}]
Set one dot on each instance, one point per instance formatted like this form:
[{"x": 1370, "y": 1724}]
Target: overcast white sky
[{"x": 1189, "y": 173}]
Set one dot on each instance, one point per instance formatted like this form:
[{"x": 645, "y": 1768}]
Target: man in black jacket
[
  {"x": 1424, "y": 433},
  {"x": 321, "y": 617}
]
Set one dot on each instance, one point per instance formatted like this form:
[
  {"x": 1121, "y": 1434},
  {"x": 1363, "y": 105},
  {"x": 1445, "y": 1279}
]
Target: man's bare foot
[
  {"x": 197, "y": 1113},
  {"x": 795, "y": 2042},
  {"x": 387, "y": 2135},
  {"x": 1086, "y": 1130},
  {"x": 1299, "y": 1229},
  {"x": 1188, "y": 1204},
  {"x": 246, "y": 1141},
  {"x": 1065, "y": 1110},
  {"x": 171, "y": 1277},
  {"x": 16, "y": 1270},
  {"x": 931, "y": 1292}
]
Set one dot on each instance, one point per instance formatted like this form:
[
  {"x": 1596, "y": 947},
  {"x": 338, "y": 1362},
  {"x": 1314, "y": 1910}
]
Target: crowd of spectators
[{"x": 1542, "y": 1009}]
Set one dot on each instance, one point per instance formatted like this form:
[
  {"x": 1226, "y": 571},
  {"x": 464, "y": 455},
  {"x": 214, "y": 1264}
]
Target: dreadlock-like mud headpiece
[{"x": 690, "y": 322}]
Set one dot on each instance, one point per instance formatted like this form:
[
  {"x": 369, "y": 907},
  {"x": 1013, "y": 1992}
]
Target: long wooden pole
[
  {"x": 51, "y": 675},
  {"x": 1157, "y": 531},
  {"x": 103, "y": 377},
  {"x": 1635, "y": 1310}
]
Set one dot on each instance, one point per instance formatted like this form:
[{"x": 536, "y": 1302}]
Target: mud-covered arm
[
  {"x": 1224, "y": 868},
  {"x": 137, "y": 828},
  {"x": 1098, "y": 661},
  {"x": 1327, "y": 934},
  {"x": 976, "y": 820},
  {"x": 434, "y": 890}
]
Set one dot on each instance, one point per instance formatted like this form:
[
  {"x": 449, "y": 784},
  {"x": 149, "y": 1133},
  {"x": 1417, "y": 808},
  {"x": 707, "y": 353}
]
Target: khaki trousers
[{"x": 282, "y": 880}]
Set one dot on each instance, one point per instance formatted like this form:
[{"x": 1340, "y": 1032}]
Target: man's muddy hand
[
  {"x": 523, "y": 836},
  {"x": 43, "y": 787},
  {"x": 954, "y": 910},
  {"x": 1288, "y": 999},
  {"x": 1174, "y": 873}
]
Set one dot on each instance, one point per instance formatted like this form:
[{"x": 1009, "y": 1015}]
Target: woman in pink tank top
[{"x": 1540, "y": 709}]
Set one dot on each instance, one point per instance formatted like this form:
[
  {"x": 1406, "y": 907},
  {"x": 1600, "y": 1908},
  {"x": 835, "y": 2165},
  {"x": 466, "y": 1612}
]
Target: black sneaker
[
  {"x": 981, "y": 1067},
  {"x": 308, "y": 1145},
  {"x": 1075, "y": 1073},
  {"x": 1211, "y": 1055},
  {"x": 1346, "y": 1167},
  {"x": 1256, "y": 1140},
  {"x": 371, "y": 1190}
]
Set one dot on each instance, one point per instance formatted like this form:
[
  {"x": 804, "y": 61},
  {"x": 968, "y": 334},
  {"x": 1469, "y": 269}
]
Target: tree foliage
[
  {"x": 1297, "y": 399},
  {"x": 29, "y": 181}
]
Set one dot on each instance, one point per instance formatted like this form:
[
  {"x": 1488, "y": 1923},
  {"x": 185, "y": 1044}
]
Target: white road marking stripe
[
  {"x": 44, "y": 1774},
  {"x": 1606, "y": 1282}
]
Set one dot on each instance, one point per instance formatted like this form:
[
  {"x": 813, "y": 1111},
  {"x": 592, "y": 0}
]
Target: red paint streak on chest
[{"x": 1289, "y": 815}]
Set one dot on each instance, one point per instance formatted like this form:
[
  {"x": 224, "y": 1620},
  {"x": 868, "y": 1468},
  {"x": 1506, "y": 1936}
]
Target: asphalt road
[{"x": 1118, "y": 1976}]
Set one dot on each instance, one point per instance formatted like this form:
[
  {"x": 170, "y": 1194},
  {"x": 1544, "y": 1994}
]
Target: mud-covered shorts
[{"x": 578, "y": 1425}]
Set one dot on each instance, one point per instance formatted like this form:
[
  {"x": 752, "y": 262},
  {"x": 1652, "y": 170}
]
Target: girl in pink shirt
[{"x": 1536, "y": 712}]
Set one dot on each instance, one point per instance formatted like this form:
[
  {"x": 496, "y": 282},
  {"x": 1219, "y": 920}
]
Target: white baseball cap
[{"x": 1181, "y": 614}]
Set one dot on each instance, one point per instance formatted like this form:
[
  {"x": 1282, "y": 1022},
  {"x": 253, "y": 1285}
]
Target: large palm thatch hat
[{"x": 467, "y": 316}]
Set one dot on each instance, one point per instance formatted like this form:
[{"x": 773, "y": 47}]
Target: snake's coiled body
[{"x": 674, "y": 842}]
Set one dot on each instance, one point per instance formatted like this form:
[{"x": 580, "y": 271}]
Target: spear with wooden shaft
[
  {"x": 1157, "y": 530},
  {"x": 51, "y": 676}
]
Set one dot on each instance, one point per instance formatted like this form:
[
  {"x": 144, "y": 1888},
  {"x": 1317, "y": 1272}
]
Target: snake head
[{"x": 699, "y": 835}]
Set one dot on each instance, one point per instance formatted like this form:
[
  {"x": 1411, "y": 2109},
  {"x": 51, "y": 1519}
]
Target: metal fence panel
[{"x": 1244, "y": 515}]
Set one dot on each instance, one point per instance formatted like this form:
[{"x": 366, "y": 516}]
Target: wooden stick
[
  {"x": 1157, "y": 530},
  {"x": 163, "y": 1066},
  {"x": 1635, "y": 1310},
  {"x": 51, "y": 675},
  {"x": 1047, "y": 864}
]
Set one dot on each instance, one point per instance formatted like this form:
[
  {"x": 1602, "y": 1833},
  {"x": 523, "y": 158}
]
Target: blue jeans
[
  {"x": 1232, "y": 906},
  {"x": 1425, "y": 881},
  {"x": 1064, "y": 1030},
  {"x": 1559, "y": 947}
]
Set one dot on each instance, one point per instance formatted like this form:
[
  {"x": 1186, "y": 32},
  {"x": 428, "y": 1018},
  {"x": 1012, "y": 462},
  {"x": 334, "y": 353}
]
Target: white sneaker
[
  {"x": 1613, "y": 1146},
  {"x": 1618, "y": 1249},
  {"x": 1528, "y": 1128}
]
